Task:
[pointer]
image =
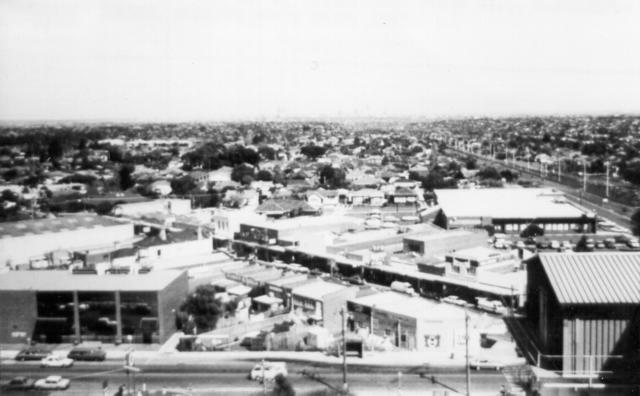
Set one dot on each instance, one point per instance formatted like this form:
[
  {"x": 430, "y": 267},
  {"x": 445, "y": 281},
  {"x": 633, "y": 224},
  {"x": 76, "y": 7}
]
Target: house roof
[
  {"x": 594, "y": 278},
  {"x": 284, "y": 206}
]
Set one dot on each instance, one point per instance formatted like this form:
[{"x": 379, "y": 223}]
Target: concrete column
[
  {"x": 118, "y": 317},
  {"x": 76, "y": 315},
  {"x": 371, "y": 320}
]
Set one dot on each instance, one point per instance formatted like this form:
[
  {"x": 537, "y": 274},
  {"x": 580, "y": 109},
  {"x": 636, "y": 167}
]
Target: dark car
[
  {"x": 32, "y": 353},
  {"x": 19, "y": 384},
  {"x": 87, "y": 354}
]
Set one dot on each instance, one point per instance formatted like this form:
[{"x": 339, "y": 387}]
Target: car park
[
  {"x": 52, "y": 382},
  {"x": 484, "y": 364},
  {"x": 87, "y": 354},
  {"x": 32, "y": 353},
  {"x": 56, "y": 361},
  {"x": 18, "y": 384},
  {"x": 267, "y": 371}
]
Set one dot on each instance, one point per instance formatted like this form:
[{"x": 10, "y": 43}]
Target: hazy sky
[{"x": 212, "y": 60}]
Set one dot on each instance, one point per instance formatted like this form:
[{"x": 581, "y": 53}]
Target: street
[{"x": 230, "y": 378}]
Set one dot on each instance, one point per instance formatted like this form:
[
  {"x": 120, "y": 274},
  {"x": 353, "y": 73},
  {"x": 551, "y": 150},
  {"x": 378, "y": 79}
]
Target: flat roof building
[
  {"x": 23, "y": 241},
  {"x": 413, "y": 322},
  {"x": 322, "y": 302},
  {"x": 511, "y": 210},
  {"x": 58, "y": 306}
]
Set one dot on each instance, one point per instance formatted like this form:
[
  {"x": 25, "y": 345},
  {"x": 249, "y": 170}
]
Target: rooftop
[
  {"x": 414, "y": 307},
  {"x": 594, "y": 278},
  {"x": 519, "y": 203},
  {"x": 66, "y": 281},
  {"x": 317, "y": 290},
  {"x": 60, "y": 224}
]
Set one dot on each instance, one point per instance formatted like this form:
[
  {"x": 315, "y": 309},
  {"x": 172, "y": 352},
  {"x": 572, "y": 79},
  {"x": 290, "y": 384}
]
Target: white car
[
  {"x": 269, "y": 371},
  {"x": 52, "y": 382},
  {"x": 485, "y": 364},
  {"x": 454, "y": 300},
  {"x": 56, "y": 361}
]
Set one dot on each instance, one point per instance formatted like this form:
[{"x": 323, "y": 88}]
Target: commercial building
[
  {"x": 584, "y": 310},
  {"x": 24, "y": 241},
  {"x": 322, "y": 301},
  {"x": 441, "y": 243},
  {"x": 512, "y": 210},
  {"x": 414, "y": 323},
  {"x": 166, "y": 206},
  {"x": 58, "y": 306}
]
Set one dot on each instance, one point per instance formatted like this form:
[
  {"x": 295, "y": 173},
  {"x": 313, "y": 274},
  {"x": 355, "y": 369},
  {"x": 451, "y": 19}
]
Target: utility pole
[
  {"x": 345, "y": 386},
  {"x": 264, "y": 381},
  {"x": 584, "y": 176},
  {"x": 559, "y": 170},
  {"x": 466, "y": 345},
  {"x": 607, "y": 182}
]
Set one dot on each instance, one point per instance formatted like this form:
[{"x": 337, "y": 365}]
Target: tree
[
  {"x": 267, "y": 152},
  {"x": 312, "y": 151},
  {"x": 282, "y": 386},
  {"x": 635, "y": 223},
  {"x": 471, "y": 163},
  {"x": 489, "y": 173},
  {"x": 125, "y": 176},
  {"x": 203, "y": 306},
  {"x": 532, "y": 230},
  {"x": 183, "y": 185},
  {"x": 264, "y": 175},
  {"x": 332, "y": 177},
  {"x": 239, "y": 173}
]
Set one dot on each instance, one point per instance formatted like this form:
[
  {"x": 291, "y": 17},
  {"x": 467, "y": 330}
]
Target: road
[{"x": 230, "y": 378}]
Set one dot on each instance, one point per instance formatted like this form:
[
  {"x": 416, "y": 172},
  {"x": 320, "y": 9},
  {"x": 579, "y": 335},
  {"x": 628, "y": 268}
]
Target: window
[
  {"x": 387, "y": 332},
  {"x": 403, "y": 337}
]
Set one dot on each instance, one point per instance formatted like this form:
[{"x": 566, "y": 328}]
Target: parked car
[
  {"x": 32, "y": 353},
  {"x": 56, "y": 361},
  {"x": 87, "y": 354},
  {"x": 600, "y": 245},
  {"x": 610, "y": 243},
  {"x": 566, "y": 245},
  {"x": 107, "y": 321},
  {"x": 555, "y": 245},
  {"x": 268, "y": 371},
  {"x": 18, "y": 384},
  {"x": 452, "y": 299},
  {"x": 589, "y": 244},
  {"x": 52, "y": 382},
  {"x": 485, "y": 364},
  {"x": 633, "y": 244}
]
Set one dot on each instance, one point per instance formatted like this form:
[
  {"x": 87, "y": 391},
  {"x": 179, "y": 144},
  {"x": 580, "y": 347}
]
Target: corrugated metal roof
[{"x": 594, "y": 278}]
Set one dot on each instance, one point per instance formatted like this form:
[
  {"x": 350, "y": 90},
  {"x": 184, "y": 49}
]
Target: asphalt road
[{"x": 230, "y": 378}]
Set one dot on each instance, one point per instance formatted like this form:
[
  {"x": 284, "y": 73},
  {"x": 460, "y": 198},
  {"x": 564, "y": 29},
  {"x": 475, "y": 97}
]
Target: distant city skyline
[{"x": 165, "y": 60}]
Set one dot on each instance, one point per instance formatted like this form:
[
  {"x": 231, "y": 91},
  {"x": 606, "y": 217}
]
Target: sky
[{"x": 185, "y": 60}]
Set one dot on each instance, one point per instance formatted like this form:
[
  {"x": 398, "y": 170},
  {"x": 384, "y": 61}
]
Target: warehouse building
[
  {"x": 585, "y": 311},
  {"x": 58, "y": 306},
  {"x": 512, "y": 210},
  {"x": 25, "y": 241}
]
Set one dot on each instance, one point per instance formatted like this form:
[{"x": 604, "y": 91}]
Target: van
[{"x": 87, "y": 354}]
